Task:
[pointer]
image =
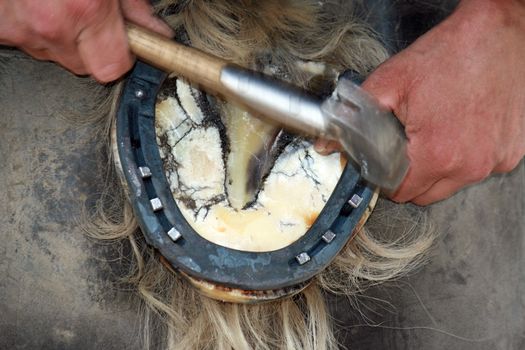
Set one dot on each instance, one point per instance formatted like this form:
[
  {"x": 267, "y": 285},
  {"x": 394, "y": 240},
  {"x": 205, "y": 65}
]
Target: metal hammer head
[{"x": 368, "y": 132}]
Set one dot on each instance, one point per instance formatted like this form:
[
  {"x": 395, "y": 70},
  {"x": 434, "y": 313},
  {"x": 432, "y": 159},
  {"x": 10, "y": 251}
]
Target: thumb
[{"x": 387, "y": 84}]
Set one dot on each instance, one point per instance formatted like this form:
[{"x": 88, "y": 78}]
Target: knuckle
[
  {"x": 445, "y": 160},
  {"x": 509, "y": 164},
  {"x": 47, "y": 27},
  {"x": 505, "y": 167},
  {"x": 477, "y": 171},
  {"x": 480, "y": 174}
]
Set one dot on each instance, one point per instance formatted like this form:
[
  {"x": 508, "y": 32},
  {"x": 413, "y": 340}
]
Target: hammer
[{"x": 368, "y": 132}]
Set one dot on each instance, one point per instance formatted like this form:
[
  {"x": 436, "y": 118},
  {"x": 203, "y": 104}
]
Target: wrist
[{"x": 506, "y": 12}]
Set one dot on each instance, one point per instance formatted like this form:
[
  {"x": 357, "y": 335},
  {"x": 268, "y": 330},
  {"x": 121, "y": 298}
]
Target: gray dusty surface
[
  {"x": 55, "y": 284},
  {"x": 471, "y": 295}
]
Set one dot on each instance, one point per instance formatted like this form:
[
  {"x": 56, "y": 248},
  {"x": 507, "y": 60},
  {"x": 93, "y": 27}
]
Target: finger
[
  {"x": 416, "y": 182},
  {"x": 442, "y": 189},
  {"x": 141, "y": 12},
  {"x": 325, "y": 147},
  {"x": 507, "y": 165},
  {"x": 103, "y": 47},
  {"x": 69, "y": 59},
  {"x": 384, "y": 83}
]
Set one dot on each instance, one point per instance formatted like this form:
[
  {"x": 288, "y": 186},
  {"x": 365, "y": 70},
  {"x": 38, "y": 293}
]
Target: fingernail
[
  {"x": 109, "y": 72},
  {"x": 164, "y": 28},
  {"x": 320, "y": 146}
]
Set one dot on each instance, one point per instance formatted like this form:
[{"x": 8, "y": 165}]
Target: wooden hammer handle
[{"x": 170, "y": 56}]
